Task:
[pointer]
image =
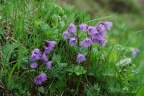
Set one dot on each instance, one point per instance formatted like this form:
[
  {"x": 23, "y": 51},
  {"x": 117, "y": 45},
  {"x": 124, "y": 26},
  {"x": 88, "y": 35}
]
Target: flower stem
[
  {"x": 88, "y": 56},
  {"x": 78, "y": 85},
  {"x": 78, "y": 41},
  {"x": 88, "y": 59},
  {"x": 67, "y": 49}
]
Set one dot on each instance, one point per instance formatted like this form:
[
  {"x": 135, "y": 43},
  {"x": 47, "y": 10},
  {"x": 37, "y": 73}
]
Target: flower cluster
[
  {"x": 95, "y": 34},
  {"x": 41, "y": 57}
]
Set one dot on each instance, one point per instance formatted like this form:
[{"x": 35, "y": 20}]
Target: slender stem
[
  {"x": 37, "y": 85},
  {"x": 78, "y": 85},
  {"x": 78, "y": 41},
  {"x": 87, "y": 79},
  {"x": 37, "y": 90},
  {"x": 88, "y": 58},
  {"x": 29, "y": 76},
  {"x": 38, "y": 70},
  {"x": 67, "y": 46}
]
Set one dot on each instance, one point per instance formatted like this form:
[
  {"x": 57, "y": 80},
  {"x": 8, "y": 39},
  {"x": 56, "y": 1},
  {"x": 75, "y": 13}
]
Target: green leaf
[
  {"x": 124, "y": 62},
  {"x": 121, "y": 48},
  {"x": 1, "y": 31},
  {"x": 113, "y": 84},
  {"x": 93, "y": 91},
  {"x": 140, "y": 68},
  {"x": 21, "y": 52},
  {"x": 44, "y": 27},
  {"x": 140, "y": 91},
  {"x": 56, "y": 58},
  {"x": 140, "y": 73},
  {"x": 56, "y": 8},
  {"x": 62, "y": 64},
  {"x": 78, "y": 70},
  {"x": 41, "y": 89},
  {"x": 7, "y": 51},
  {"x": 113, "y": 57}
]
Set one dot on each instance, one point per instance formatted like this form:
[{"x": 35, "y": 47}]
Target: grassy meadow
[{"x": 110, "y": 70}]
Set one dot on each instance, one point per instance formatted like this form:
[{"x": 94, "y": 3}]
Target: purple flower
[
  {"x": 48, "y": 64},
  {"x": 71, "y": 27},
  {"x": 47, "y": 49},
  {"x": 80, "y": 58},
  {"x": 34, "y": 65},
  {"x": 44, "y": 57},
  {"x": 49, "y": 46},
  {"x": 101, "y": 29},
  {"x": 135, "y": 52},
  {"x": 35, "y": 55},
  {"x": 50, "y": 43},
  {"x": 66, "y": 35},
  {"x": 72, "y": 41},
  {"x": 102, "y": 42},
  {"x": 83, "y": 27},
  {"x": 107, "y": 25},
  {"x": 96, "y": 37},
  {"x": 92, "y": 30},
  {"x": 40, "y": 78},
  {"x": 86, "y": 42}
]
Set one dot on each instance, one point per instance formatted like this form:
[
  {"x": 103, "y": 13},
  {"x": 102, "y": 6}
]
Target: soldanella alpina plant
[
  {"x": 86, "y": 65},
  {"x": 39, "y": 58},
  {"x": 93, "y": 35}
]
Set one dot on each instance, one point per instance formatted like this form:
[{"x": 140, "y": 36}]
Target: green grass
[{"x": 25, "y": 25}]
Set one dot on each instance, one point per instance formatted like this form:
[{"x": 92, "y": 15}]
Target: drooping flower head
[
  {"x": 72, "y": 41},
  {"x": 49, "y": 46},
  {"x": 40, "y": 78},
  {"x": 35, "y": 55},
  {"x": 80, "y": 58},
  {"x": 135, "y": 52},
  {"x": 71, "y": 27},
  {"x": 96, "y": 37},
  {"x": 101, "y": 29},
  {"x": 102, "y": 42},
  {"x": 44, "y": 57},
  {"x": 47, "y": 49},
  {"x": 107, "y": 25},
  {"x": 50, "y": 43},
  {"x": 34, "y": 65},
  {"x": 83, "y": 27},
  {"x": 91, "y": 30},
  {"x": 66, "y": 35},
  {"x": 48, "y": 64},
  {"x": 87, "y": 42}
]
